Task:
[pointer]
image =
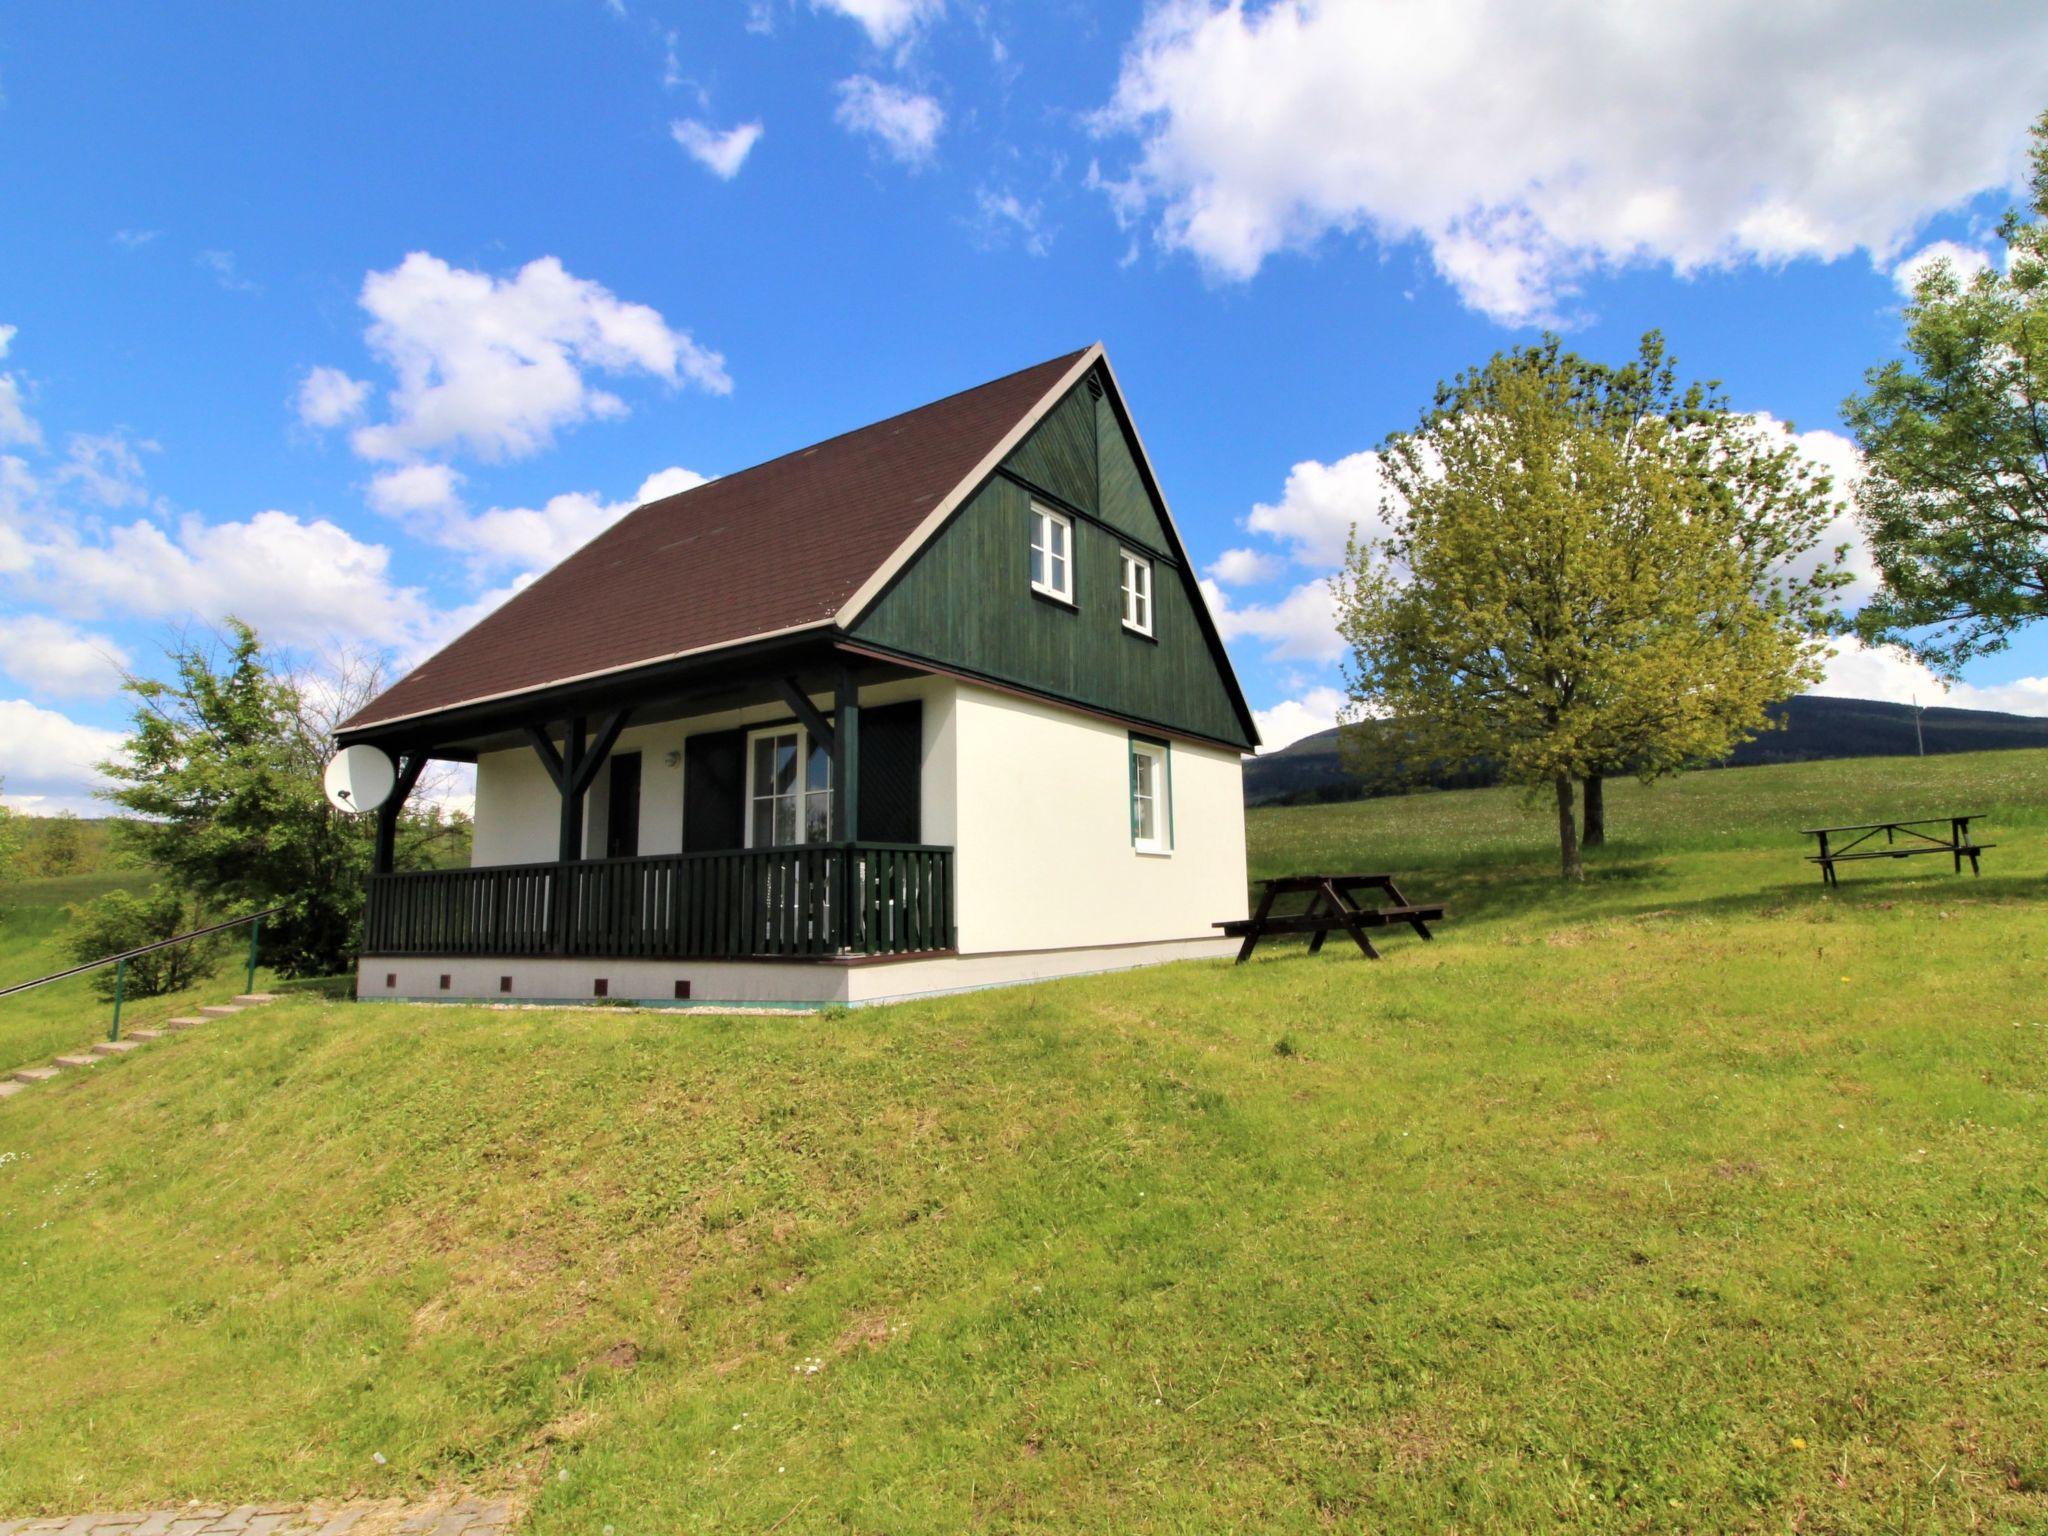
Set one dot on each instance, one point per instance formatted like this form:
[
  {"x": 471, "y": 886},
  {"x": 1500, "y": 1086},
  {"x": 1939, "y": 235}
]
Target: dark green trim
[
  {"x": 1202, "y": 617},
  {"x": 860, "y": 645},
  {"x": 1066, "y": 605},
  {"x": 1066, "y": 508}
]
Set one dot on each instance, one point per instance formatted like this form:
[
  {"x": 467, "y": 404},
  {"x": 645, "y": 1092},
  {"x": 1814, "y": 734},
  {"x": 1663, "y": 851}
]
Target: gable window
[
  {"x": 1137, "y": 593},
  {"x": 789, "y": 788},
  {"x": 1151, "y": 796},
  {"x": 1052, "y": 554}
]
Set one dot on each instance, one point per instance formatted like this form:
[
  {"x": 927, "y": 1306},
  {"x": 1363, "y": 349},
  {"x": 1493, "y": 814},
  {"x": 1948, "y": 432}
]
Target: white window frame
[
  {"x": 1137, "y": 592},
  {"x": 1160, "y": 758},
  {"x": 803, "y": 791},
  {"x": 1043, "y": 520}
]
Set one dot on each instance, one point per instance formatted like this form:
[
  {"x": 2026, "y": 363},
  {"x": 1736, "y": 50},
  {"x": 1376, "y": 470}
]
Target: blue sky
[{"x": 347, "y": 318}]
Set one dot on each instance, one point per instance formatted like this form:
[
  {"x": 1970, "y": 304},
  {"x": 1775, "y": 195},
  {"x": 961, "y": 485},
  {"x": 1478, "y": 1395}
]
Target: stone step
[
  {"x": 9, "y": 1089},
  {"x": 77, "y": 1059},
  {"x": 35, "y": 1074},
  {"x": 144, "y": 1034},
  {"x": 219, "y": 1011},
  {"x": 185, "y": 1023},
  {"x": 116, "y": 1047},
  {"x": 250, "y": 999}
]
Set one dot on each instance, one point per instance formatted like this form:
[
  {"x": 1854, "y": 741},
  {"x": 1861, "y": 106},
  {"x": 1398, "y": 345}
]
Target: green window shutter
[
  {"x": 892, "y": 772},
  {"x": 714, "y": 791}
]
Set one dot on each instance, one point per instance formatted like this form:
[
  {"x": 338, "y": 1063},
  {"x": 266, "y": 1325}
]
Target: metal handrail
[{"x": 120, "y": 961}]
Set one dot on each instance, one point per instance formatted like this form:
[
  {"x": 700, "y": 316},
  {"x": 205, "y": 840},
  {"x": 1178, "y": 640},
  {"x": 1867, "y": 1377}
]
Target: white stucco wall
[{"x": 1044, "y": 832}]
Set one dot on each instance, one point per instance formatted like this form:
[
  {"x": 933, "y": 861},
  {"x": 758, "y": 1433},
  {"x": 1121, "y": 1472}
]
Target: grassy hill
[
  {"x": 67, "y": 1015},
  {"x": 1809, "y": 729},
  {"x": 1697, "y": 1199}
]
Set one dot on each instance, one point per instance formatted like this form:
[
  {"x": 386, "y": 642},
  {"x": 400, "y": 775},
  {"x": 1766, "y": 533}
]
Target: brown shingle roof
[{"x": 776, "y": 547}]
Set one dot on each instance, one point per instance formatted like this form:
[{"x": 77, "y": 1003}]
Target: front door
[{"x": 622, "y": 807}]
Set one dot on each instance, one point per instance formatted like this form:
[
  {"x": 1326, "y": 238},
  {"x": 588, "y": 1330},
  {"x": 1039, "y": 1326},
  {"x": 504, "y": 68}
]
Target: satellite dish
[{"x": 360, "y": 778}]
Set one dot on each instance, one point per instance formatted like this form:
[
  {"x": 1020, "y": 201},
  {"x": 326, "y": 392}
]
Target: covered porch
[
  {"x": 677, "y": 833},
  {"x": 809, "y": 901}
]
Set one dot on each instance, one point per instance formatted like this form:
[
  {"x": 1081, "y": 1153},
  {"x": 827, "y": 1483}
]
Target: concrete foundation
[{"x": 748, "y": 984}]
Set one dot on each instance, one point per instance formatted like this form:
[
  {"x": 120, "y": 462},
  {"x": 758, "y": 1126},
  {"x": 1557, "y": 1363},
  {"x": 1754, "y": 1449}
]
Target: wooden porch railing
[{"x": 816, "y": 899}]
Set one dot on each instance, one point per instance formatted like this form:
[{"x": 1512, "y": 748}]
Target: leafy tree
[
  {"x": 119, "y": 921},
  {"x": 1589, "y": 570},
  {"x": 223, "y": 768},
  {"x": 10, "y": 836},
  {"x": 58, "y": 846},
  {"x": 1956, "y": 501}
]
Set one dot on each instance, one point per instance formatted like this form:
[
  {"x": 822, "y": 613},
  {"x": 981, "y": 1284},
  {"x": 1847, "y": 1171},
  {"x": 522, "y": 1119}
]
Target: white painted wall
[{"x": 1044, "y": 832}]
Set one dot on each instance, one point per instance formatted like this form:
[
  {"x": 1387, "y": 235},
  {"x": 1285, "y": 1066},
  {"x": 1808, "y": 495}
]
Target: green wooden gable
[{"x": 965, "y": 601}]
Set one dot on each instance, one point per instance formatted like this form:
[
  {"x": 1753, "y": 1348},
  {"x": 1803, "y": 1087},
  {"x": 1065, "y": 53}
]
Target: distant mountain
[{"x": 1311, "y": 769}]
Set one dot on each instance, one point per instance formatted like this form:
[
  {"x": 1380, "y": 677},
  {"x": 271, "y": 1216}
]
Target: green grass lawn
[
  {"x": 68, "y": 1015},
  {"x": 1697, "y": 1199}
]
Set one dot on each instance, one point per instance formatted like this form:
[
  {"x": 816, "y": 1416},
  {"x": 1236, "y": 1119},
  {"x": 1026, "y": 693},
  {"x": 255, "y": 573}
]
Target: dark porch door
[{"x": 622, "y": 807}]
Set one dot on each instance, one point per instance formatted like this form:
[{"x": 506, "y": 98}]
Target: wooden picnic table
[
  {"x": 1957, "y": 845},
  {"x": 1332, "y": 904}
]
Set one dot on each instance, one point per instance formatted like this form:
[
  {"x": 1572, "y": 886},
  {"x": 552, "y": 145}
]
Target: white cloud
[
  {"x": 667, "y": 482},
  {"x": 299, "y": 583},
  {"x": 17, "y": 427},
  {"x": 1291, "y": 719},
  {"x": 496, "y": 365},
  {"x": 1965, "y": 261},
  {"x": 1244, "y": 568},
  {"x": 225, "y": 272},
  {"x": 134, "y": 239},
  {"x": 106, "y": 467},
  {"x": 904, "y": 123},
  {"x": 1001, "y": 217},
  {"x": 1527, "y": 146},
  {"x": 720, "y": 153},
  {"x": 1842, "y": 461},
  {"x": 53, "y": 659},
  {"x": 1302, "y": 626},
  {"x": 1859, "y": 671},
  {"x": 47, "y": 759},
  {"x": 328, "y": 397},
  {"x": 534, "y": 538},
  {"x": 1321, "y": 503},
  {"x": 416, "y": 490},
  {"x": 885, "y": 21}
]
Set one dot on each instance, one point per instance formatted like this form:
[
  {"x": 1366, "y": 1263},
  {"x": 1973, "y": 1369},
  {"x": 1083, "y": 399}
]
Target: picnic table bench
[
  {"x": 1332, "y": 904},
  {"x": 1957, "y": 845}
]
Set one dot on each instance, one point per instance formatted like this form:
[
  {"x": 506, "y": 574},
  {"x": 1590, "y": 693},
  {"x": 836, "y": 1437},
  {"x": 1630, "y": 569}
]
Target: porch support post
[
  {"x": 846, "y": 808},
  {"x": 845, "y": 757},
  {"x": 409, "y": 768},
  {"x": 569, "y": 846},
  {"x": 574, "y": 768}
]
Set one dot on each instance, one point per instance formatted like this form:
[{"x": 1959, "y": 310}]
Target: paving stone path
[{"x": 388, "y": 1517}]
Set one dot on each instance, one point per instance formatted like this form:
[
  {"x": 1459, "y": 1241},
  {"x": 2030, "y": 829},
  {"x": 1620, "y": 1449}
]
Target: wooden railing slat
[{"x": 813, "y": 899}]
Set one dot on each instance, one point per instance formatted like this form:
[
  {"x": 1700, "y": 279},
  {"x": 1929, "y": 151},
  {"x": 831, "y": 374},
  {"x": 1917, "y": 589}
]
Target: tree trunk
[
  {"x": 1593, "y": 831},
  {"x": 1567, "y": 830}
]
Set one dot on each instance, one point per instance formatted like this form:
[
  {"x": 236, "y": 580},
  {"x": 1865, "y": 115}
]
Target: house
[{"x": 935, "y": 704}]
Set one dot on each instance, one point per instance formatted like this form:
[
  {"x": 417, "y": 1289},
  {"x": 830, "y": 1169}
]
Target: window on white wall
[
  {"x": 1052, "y": 554},
  {"x": 1151, "y": 797},
  {"x": 789, "y": 788},
  {"x": 1137, "y": 593}
]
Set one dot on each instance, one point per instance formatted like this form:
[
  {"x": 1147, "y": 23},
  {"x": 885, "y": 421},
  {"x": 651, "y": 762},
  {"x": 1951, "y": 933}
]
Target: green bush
[{"x": 120, "y": 920}]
